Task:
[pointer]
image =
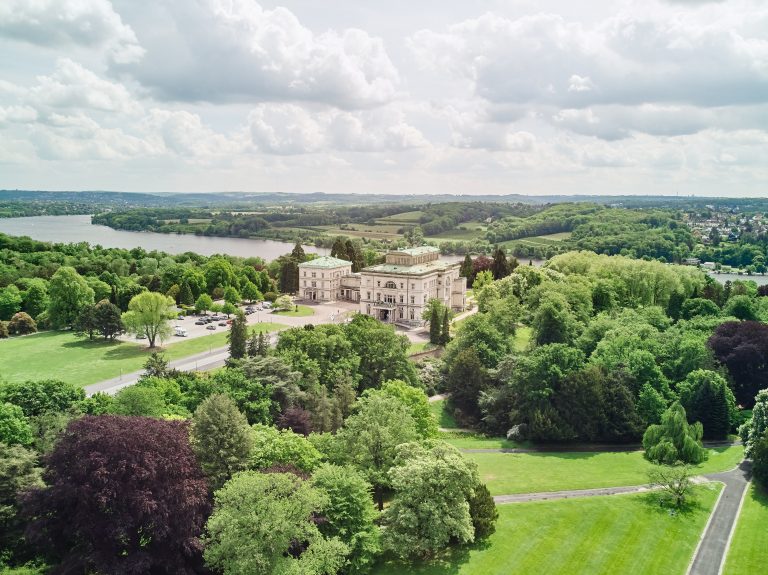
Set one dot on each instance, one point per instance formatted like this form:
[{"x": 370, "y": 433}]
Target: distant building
[
  {"x": 691, "y": 261},
  {"x": 320, "y": 279},
  {"x": 396, "y": 291}
]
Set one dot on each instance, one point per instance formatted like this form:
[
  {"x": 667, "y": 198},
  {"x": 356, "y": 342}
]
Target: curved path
[{"x": 709, "y": 557}]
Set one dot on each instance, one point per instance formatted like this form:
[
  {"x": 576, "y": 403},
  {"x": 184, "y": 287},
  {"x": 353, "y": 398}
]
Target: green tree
[
  {"x": 221, "y": 439},
  {"x": 415, "y": 400},
  {"x": 185, "y": 294},
  {"x": 759, "y": 454},
  {"x": 108, "y": 319},
  {"x": 203, "y": 303},
  {"x": 283, "y": 303},
  {"x": 69, "y": 293},
  {"x": 445, "y": 329},
  {"x": 371, "y": 435},
  {"x": 674, "y": 481},
  {"x": 232, "y": 296},
  {"x": 741, "y": 307},
  {"x": 41, "y": 396},
  {"x": 434, "y": 326},
  {"x": 756, "y": 427},
  {"x": 482, "y": 279},
  {"x": 238, "y": 336},
  {"x": 86, "y": 321},
  {"x": 10, "y": 302},
  {"x": 706, "y": 397},
  {"x": 282, "y": 446},
  {"x": 433, "y": 484},
  {"x": 349, "y": 515},
  {"x": 465, "y": 270},
  {"x": 14, "y": 427},
  {"x": 698, "y": 306},
  {"x": 19, "y": 472},
  {"x": 139, "y": 401},
  {"x": 674, "y": 440},
  {"x": 482, "y": 509},
  {"x": 251, "y": 293},
  {"x": 650, "y": 405},
  {"x": 553, "y": 321},
  {"x": 251, "y": 393},
  {"x": 500, "y": 267},
  {"x": 36, "y": 297},
  {"x": 149, "y": 313},
  {"x": 256, "y": 521}
]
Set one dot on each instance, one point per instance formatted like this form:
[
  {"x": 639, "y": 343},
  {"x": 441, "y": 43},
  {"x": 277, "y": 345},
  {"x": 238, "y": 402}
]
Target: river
[{"x": 74, "y": 229}]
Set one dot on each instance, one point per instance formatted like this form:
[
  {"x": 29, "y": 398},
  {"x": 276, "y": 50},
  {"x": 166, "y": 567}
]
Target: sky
[{"x": 427, "y": 96}]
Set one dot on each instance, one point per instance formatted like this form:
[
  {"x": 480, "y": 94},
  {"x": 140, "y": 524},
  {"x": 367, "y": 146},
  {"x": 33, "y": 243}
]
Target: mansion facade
[{"x": 396, "y": 291}]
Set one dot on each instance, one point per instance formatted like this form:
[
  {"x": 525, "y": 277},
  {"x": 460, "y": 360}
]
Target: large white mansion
[{"x": 395, "y": 292}]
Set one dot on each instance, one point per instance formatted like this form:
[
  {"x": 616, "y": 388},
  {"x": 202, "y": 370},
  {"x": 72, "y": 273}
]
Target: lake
[{"x": 74, "y": 229}]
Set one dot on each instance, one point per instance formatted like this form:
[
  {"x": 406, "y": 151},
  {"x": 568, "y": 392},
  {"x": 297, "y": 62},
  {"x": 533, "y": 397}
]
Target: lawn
[
  {"x": 508, "y": 473},
  {"x": 627, "y": 534},
  {"x": 440, "y": 411},
  {"x": 415, "y": 348},
  {"x": 64, "y": 356},
  {"x": 296, "y": 311},
  {"x": 749, "y": 547},
  {"x": 522, "y": 338},
  {"x": 404, "y": 217},
  {"x": 477, "y": 441}
]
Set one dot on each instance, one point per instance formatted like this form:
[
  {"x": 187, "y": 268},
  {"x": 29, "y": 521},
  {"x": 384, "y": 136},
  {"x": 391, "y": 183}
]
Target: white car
[{"x": 180, "y": 331}]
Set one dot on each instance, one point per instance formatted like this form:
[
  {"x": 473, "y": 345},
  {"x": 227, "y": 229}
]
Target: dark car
[
  {"x": 210, "y": 327},
  {"x": 200, "y": 322},
  {"x": 223, "y": 323}
]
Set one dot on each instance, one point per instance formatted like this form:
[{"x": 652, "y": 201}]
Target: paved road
[
  {"x": 713, "y": 547},
  {"x": 570, "y": 494}
]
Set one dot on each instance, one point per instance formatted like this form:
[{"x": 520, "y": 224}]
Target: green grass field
[
  {"x": 404, "y": 217},
  {"x": 508, "y": 473},
  {"x": 296, "y": 311},
  {"x": 749, "y": 547},
  {"x": 64, "y": 356},
  {"x": 419, "y": 347},
  {"x": 444, "y": 417},
  {"x": 623, "y": 534}
]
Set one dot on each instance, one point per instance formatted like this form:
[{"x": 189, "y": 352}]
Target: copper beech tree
[{"x": 123, "y": 495}]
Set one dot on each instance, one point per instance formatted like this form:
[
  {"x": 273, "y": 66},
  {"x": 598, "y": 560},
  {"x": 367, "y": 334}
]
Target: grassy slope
[
  {"x": 507, "y": 473},
  {"x": 63, "y": 355},
  {"x": 627, "y": 534},
  {"x": 749, "y": 548},
  {"x": 443, "y": 416}
]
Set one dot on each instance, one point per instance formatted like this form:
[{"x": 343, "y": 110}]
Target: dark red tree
[
  {"x": 124, "y": 495},
  {"x": 742, "y": 346},
  {"x": 297, "y": 420}
]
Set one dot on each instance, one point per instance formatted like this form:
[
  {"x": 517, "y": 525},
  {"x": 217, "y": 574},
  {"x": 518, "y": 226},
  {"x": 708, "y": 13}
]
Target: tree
[
  {"x": 36, "y": 297},
  {"x": 203, "y": 303},
  {"x": 434, "y": 326},
  {"x": 742, "y": 346},
  {"x": 283, "y": 303},
  {"x": 445, "y": 330},
  {"x": 500, "y": 267},
  {"x": 14, "y": 427},
  {"x": 281, "y": 446},
  {"x": 674, "y": 440},
  {"x": 221, "y": 439},
  {"x": 185, "y": 294},
  {"x": 349, "y": 515},
  {"x": 250, "y": 292},
  {"x": 38, "y": 397},
  {"x": 650, "y": 404},
  {"x": 415, "y": 400},
  {"x": 149, "y": 313},
  {"x": 69, "y": 293},
  {"x": 465, "y": 270},
  {"x": 86, "y": 321},
  {"x": 482, "y": 509},
  {"x": 760, "y": 459},
  {"x": 19, "y": 472},
  {"x": 698, "y": 306},
  {"x": 756, "y": 427},
  {"x": 108, "y": 319},
  {"x": 674, "y": 481},
  {"x": 433, "y": 484},
  {"x": 232, "y": 296},
  {"x": 706, "y": 397},
  {"x": 136, "y": 400},
  {"x": 238, "y": 336},
  {"x": 371, "y": 435},
  {"x": 3, "y": 330},
  {"x": 10, "y": 302},
  {"x": 251, "y": 393},
  {"x": 465, "y": 380},
  {"x": 262, "y": 522},
  {"x": 482, "y": 279},
  {"x": 741, "y": 307},
  {"x": 122, "y": 495},
  {"x": 156, "y": 365},
  {"x": 553, "y": 321},
  {"x": 21, "y": 324}
]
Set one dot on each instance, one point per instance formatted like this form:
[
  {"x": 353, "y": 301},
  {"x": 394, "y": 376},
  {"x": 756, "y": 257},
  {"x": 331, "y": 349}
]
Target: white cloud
[
  {"x": 60, "y": 23},
  {"x": 233, "y": 50}
]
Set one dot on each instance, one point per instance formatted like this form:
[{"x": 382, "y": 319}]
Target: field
[
  {"x": 403, "y": 218},
  {"x": 297, "y": 311},
  {"x": 64, "y": 356},
  {"x": 508, "y": 473},
  {"x": 627, "y": 534},
  {"x": 379, "y": 231},
  {"x": 749, "y": 553},
  {"x": 538, "y": 241}
]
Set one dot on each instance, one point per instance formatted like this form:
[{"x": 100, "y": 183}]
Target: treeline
[
  {"x": 19, "y": 209},
  {"x": 615, "y": 342},
  {"x": 279, "y": 463}
]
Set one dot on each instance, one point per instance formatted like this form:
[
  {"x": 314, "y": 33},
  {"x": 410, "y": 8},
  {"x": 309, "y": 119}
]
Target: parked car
[
  {"x": 180, "y": 331},
  {"x": 210, "y": 326},
  {"x": 223, "y": 323},
  {"x": 200, "y": 322},
  {"x": 182, "y": 317},
  {"x": 267, "y": 305}
]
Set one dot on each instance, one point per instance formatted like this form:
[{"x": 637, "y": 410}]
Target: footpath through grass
[
  {"x": 508, "y": 473},
  {"x": 627, "y": 534},
  {"x": 748, "y": 554},
  {"x": 65, "y": 356}
]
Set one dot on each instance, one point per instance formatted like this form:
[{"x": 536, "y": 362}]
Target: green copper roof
[
  {"x": 415, "y": 270},
  {"x": 325, "y": 262},
  {"x": 420, "y": 251}
]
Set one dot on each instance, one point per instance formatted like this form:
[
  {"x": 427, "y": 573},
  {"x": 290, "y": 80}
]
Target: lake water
[{"x": 74, "y": 229}]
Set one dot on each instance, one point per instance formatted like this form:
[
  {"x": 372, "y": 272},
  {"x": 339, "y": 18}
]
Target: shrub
[{"x": 21, "y": 324}]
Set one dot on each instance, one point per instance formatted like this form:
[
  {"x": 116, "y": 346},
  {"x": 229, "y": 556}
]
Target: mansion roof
[{"x": 325, "y": 262}]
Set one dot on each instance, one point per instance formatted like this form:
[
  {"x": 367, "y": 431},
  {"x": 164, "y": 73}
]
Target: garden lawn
[
  {"x": 415, "y": 348},
  {"x": 626, "y": 534},
  {"x": 303, "y": 311},
  {"x": 508, "y": 473},
  {"x": 749, "y": 547},
  {"x": 65, "y": 356},
  {"x": 439, "y": 410}
]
